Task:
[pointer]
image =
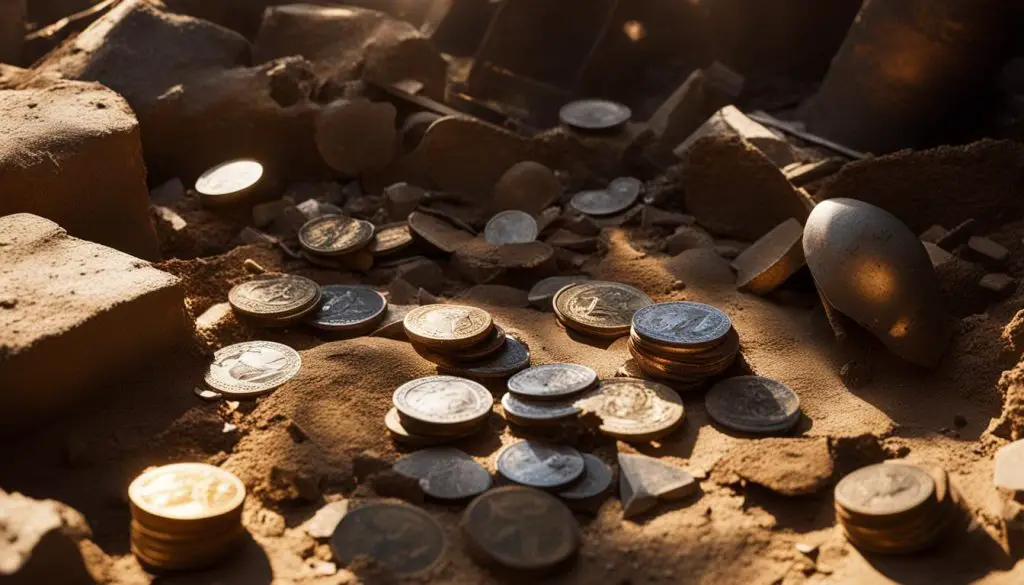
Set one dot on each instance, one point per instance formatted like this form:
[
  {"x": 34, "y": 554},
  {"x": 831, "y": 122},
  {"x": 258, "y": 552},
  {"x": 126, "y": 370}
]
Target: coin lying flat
[
  {"x": 445, "y": 473},
  {"x": 752, "y": 404},
  {"x": 390, "y": 238},
  {"x": 443, "y": 400},
  {"x": 601, "y": 202},
  {"x": 552, "y": 381},
  {"x": 400, "y": 434},
  {"x": 681, "y": 323},
  {"x": 274, "y": 296},
  {"x": 228, "y": 181},
  {"x": 177, "y": 497},
  {"x": 526, "y": 412},
  {"x": 335, "y": 235},
  {"x": 520, "y": 528},
  {"x": 252, "y": 368},
  {"x": 511, "y": 227},
  {"x": 594, "y": 114},
  {"x": 597, "y": 478},
  {"x": 599, "y": 307},
  {"x": 512, "y": 358},
  {"x": 884, "y": 490},
  {"x": 449, "y": 325},
  {"x": 540, "y": 465},
  {"x": 346, "y": 308},
  {"x": 541, "y": 294},
  {"x": 634, "y": 410},
  {"x": 403, "y": 538}
]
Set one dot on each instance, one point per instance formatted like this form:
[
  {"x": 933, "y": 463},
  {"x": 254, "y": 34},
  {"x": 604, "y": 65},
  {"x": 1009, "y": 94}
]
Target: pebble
[
  {"x": 643, "y": 481},
  {"x": 988, "y": 249}
]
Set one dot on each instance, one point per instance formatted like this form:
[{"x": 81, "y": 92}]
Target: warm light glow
[
  {"x": 874, "y": 281},
  {"x": 634, "y": 30},
  {"x": 900, "y": 327}
]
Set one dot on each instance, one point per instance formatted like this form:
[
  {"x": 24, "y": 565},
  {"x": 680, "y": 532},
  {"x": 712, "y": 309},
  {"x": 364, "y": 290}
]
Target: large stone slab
[
  {"x": 71, "y": 152},
  {"x": 74, "y": 316},
  {"x": 41, "y": 542}
]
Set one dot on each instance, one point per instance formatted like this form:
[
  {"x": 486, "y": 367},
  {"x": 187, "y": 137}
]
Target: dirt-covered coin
[
  {"x": 682, "y": 324},
  {"x": 274, "y": 297},
  {"x": 252, "y": 368},
  {"x": 527, "y": 412},
  {"x": 403, "y": 538},
  {"x": 597, "y": 478},
  {"x": 634, "y": 410},
  {"x": 443, "y": 400},
  {"x": 884, "y": 489},
  {"x": 228, "y": 179},
  {"x": 540, "y": 465},
  {"x": 752, "y": 404},
  {"x": 445, "y": 473},
  {"x": 541, "y": 294},
  {"x": 511, "y": 227},
  {"x": 520, "y": 528},
  {"x": 599, "y": 307},
  {"x": 451, "y": 326},
  {"x": 390, "y": 238},
  {"x": 346, "y": 308},
  {"x": 552, "y": 381},
  {"x": 594, "y": 114},
  {"x": 512, "y": 358},
  {"x": 335, "y": 235}
]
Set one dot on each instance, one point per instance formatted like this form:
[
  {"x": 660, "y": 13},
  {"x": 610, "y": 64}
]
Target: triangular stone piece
[{"x": 644, "y": 480}]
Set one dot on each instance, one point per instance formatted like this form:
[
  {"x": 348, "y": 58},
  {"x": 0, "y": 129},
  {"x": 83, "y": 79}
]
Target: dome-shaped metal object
[{"x": 872, "y": 268}]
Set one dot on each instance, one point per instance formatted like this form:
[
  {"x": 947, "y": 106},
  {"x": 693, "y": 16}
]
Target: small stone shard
[
  {"x": 933, "y": 234},
  {"x": 937, "y": 255},
  {"x": 770, "y": 261},
  {"x": 988, "y": 251},
  {"x": 687, "y": 237},
  {"x": 998, "y": 284},
  {"x": 643, "y": 481},
  {"x": 323, "y": 523}
]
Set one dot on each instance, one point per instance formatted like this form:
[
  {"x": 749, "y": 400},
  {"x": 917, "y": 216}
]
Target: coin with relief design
[
  {"x": 252, "y": 368},
  {"x": 347, "y": 308},
  {"x": 599, "y": 308},
  {"x": 177, "y": 495},
  {"x": 752, "y": 404},
  {"x": 631, "y": 409},
  {"x": 681, "y": 324},
  {"x": 335, "y": 235},
  {"x": 443, "y": 400},
  {"x": 551, "y": 381},
  {"x": 403, "y": 538},
  {"x": 540, "y": 465},
  {"x": 450, "y": 326},
  {"x": 390, "y": 238},
  {"x": 275, "y": 297}
]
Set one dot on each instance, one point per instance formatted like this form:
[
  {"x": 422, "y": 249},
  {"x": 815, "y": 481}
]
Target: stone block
[
  {"x": 74, "y": 317},
  {"x": 41, "y": 542}
]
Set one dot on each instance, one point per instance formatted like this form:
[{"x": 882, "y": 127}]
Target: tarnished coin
[
  {"x": 252, "y": 368},
  {"x": 594, "y": 114},
  {"x": 345, "y": 308},
  {"x": 597, "y": 478},
  {"x": 403, "y": 538},
  {"x": 540, "y": 465},
  {"x": 884, "y": 489},
  {"x": 599, "y": 307},
  {"x": 511, "y": 227},
  {"x": 274, "y": 296},
  {"x": 445, "y": 473},
  {"x": 541, "y": 294},
  {"x": 168, "y": 497},
  {"x": 682, "y": 324},
  {"x": 552, "y": 381},
  {"x": 512, "y": 358},
  {"x": 443, "y": 400},
  {"x": 402, "y": 435},
  {"x": 390, "y": 238},
  {"x": 232, "y": 178},
  {"x": 335, "y": 235},
  {"x": 525, "y": 412},
  {"x": 452, "y": 326},
  {"x": 752, "y": 404},
  {"x": 520, "y": 528},
  {"x": 634, "y": 410}
]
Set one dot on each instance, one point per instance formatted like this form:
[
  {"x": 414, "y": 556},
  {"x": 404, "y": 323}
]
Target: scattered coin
[
  {"x": 442, "y": 405},
  {"x": 594, "y": 114},
  {"x": 512, "y": 358},
  {"x": 445, "y": 473},
  {"x": 682, "y": 324},
  {"x": 335, "y": 235},
  {"x": 599, "y": 308},
  {"x": 510, "y": 227},
  {"x": 283, "y": 297},
  {"x": 540, "y": 465},
  {"x": 252, "y": 368},
  {"x": 1009, "y": 468},
  {"x": 349, "y": 308},
  {"x": 403, "y": 538},
  {"x": 541, "y": 294},
  {"x": 597, "y": 478},
  {"x": 451, "y": 326},
  {"x": 520, "y": 528},
  {"x": 634, "y": 410},
  {"x": 527, "y": 413},
  {"x": 390, "y": 238},
  {"x": 552, "y": 381},
  {"x": 644, "y": 481},
  {"x": 618, "y": 196},
  {"x": 229, "y": 182},
  {"x": 752, "y": 404}
]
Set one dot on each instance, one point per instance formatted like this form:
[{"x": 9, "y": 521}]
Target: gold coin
[
  {"x": 634, "y": 410},
  {"x": 492, "y": 344},
  {"x": 599, "y": 307},
  {"x": 447, "y": 326},
  {"x": 885, "y": 490},
  {"x": 335, "y": 235},
  {"x": 183, "y": 493}
]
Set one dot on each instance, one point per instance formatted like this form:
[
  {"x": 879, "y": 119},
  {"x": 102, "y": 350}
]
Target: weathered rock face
[
  {"x": 71, "y": 152},
  {"x": 41, "y": 542},
  {"x": 73, "y": 316},
  {"x": 12, "y": 30}
]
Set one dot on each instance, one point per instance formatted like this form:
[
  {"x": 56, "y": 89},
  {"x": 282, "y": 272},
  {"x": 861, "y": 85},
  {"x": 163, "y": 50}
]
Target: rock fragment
[
  {"x": 401, "y": 199},
  {"x": 730, "y": 122},
  {"x": 997, "y": 284},
  {"x": 987, "y": 251},
  {"x": 483, "y": 263},
  {"x": 644, "y": 481},
  {"x": 41, "y": 542},
  {"x": 766, "y": 264},
  {"x": 527, "y": 186},
  {"x": 653, "y": 217},
  {"x": 687, "y": 237},
  {"x": 438, "y": 233},
  {"x": 356, "y": 136},
  {"x": 790, "y": 467}
]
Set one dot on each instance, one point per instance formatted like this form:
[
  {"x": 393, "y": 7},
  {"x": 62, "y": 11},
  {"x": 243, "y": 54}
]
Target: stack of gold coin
[
  {"x": 337, "y": 241},
  {"x": 598, "y": 308},
  {"x": 275, "y": 301},
  {"x": 438, "y": 409},
  {"x": 684, "y": 343},
  {"x": 185, "y": 515},
  {"x": 895, "y": 507},
  {"x": 454, "y": 337}
]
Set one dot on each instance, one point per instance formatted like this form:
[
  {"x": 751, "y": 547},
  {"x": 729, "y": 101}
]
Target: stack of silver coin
[
  {"x": 546, "y": 395},
  {"x": 438, "y": 409}
]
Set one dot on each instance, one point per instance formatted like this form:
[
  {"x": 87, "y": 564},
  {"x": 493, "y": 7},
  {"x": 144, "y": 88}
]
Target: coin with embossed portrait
[
  {"x": 540, "y": 465},
  {"x": 448, "y": 326},
  {"x": 439, "y": 403},
  {"x": 335, "y": 235},
  {"x": 252, "y": 368},
  {"x": 275, "y": 297}
]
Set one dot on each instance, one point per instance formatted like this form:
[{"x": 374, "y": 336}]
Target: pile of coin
[
  {"x": 185, "y": 515},
  {"x": 332, "y": 240},
  {"x": 438, "y": 409},
  {"x": 545, "y": 395},
  {"x": 464, "y": 341},
  {"x": 682, "y": 342},
  {"x": 275, "y": 301},
  {"x": 598, "y": 308},
  {"x": 895, "y": 507}
]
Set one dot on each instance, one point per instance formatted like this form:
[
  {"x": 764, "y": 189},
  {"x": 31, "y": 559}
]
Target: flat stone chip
[
  {"x": 390, "y": 238},
  {"x": 540, "y": 465},
  {"x": 1009, "y": 472},
  {"x": 634, "y": 410},
  {"x": 508, "y": 361},
  {"x": 230, "y": 177},
  {"x": 771, "y": 260},
  {"x": 445, "y": 473},
  {"x": 594, "y": 114},
  {"x": 552, "y": 381},
  {"x": 643, "y": 481},
  {"x": 597, "y": 478},
  {"x": 884, "y": 489},
  {"x": 403, "y": 538},
  {"x": 510, "y": 227},
  {"x": 606, "y": 306},
  {"x": 443, "y": 400},
  {"x": 348, "y": 307},
  {"x": 682, "y": 324},
  {"x": 521, "y": 528},
  {"x": 252, "y": 368},
  {"x": 752, "y": 404},
  {"x": 537, "y": 412},
  {"x": 204, "y": 393},
  {"x": 335, "y": 235},
  {"x": 541, "y": 294},
  {"x": 438, "y": 233},
  {"x": 274, "y": 296},
  {"x": 326, "y": 519},
  {"x": 447, "y": 325}
]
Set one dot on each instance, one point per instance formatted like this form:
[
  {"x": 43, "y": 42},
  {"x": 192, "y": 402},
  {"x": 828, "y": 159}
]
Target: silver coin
[
  {"x": 273, "y": 297},
  {"x": 348, "y": 307},
  {"x": 541, "y": 294},
  {"x": 252, "y": 368},
  {"x": 230, "y": 177},
  {"x": 681, "y": 323},
  {"x": 511, "y": 227},
  {"x": 594, "y": 114},
  {"x": 443, "y": 400},
  {"x": 597, "y": 478},
  {"x": 601, "y": 202},
  {"x": 752, "y": 404},
  {"x": 527, "y": 412},
  {"x": 541, "y": 465},
  {"x": 445, "y": 473},
  {"x": 512, "y": 358},
  {"x": 552, "y": 381}
]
